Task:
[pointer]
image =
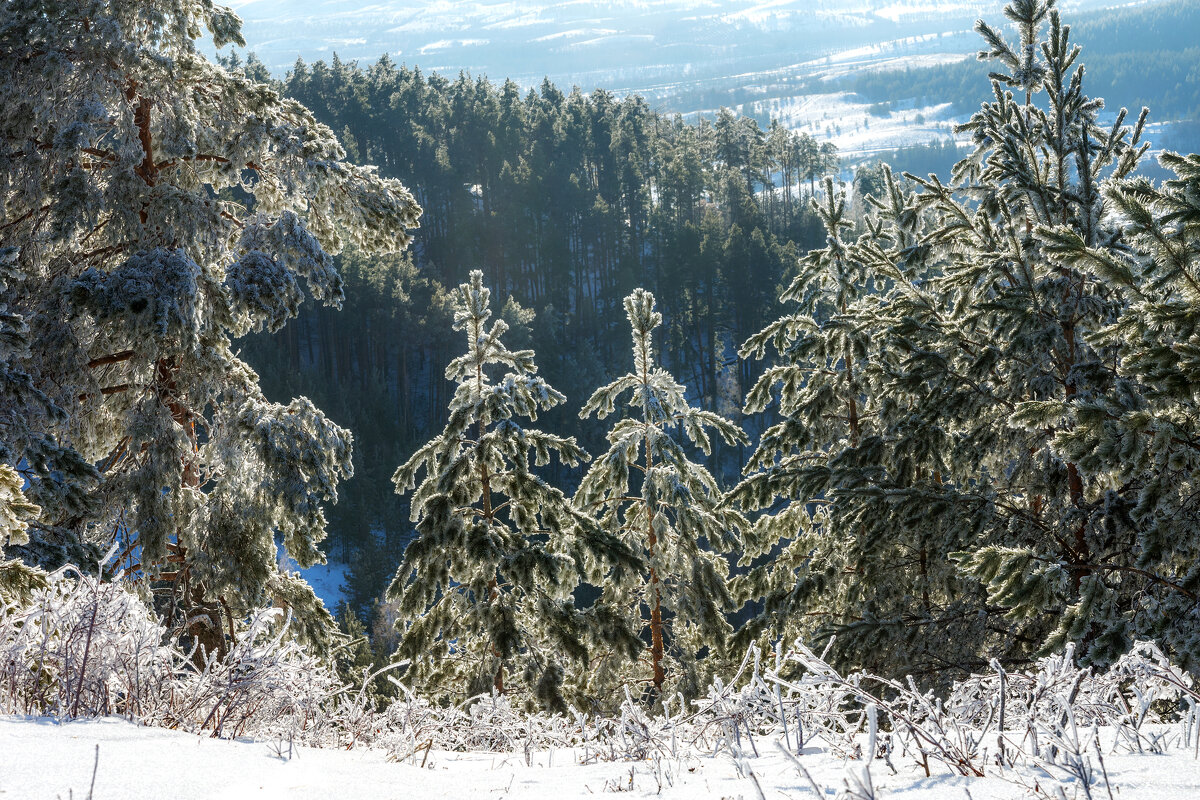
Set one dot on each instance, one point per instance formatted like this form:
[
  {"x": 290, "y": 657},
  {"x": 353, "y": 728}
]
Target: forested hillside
[
  {"x": 566, "y": 202},
  {"x": 1146, "y": 55}
]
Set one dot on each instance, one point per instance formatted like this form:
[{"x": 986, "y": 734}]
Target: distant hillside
[
  {"x": 1140, "y": 56},
  {"x": 627, "y": 43}
]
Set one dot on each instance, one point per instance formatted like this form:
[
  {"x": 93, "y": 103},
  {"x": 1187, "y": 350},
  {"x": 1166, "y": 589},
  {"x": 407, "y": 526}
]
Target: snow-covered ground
[
  {"x": 327, "y": 580},
  {"x": 786, "y": 724},
  {"x": 41, "y": 758},
  {"x": 849, "y": 123}
]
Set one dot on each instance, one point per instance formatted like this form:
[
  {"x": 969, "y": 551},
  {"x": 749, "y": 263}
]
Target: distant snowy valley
[{"x": 780, "y": 59}]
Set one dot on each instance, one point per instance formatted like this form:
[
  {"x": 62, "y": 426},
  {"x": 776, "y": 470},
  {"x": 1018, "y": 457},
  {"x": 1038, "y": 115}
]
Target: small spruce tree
[
  {"x": 485, "y": 588},
  {"x": 666, "y": 507}
]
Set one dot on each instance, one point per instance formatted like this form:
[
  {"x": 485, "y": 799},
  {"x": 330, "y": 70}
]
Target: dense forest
[{"x": 566, "y": 202}]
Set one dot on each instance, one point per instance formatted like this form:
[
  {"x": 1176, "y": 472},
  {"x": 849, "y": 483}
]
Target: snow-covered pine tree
[
  {"x": 671, "y": 513},
  {"x": 1137, "y": 442},
  {"x": 975, "y": 339},
  {"x": 155, "y": 207},
  {"x": 485, "y": 588},
  {"x": 857, "y": 548},
  {"x": 1058, "y": 535}
]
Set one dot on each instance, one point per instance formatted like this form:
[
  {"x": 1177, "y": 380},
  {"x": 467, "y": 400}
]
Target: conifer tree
[
  {"x": 855, "y": 551},
  {"x": 961, "y": 521},
  {"x": 1062, "y": 553},
  {"x": 485, "y": 588},
  {"x": 671, "y": 513},
  {"x": 155, "y": 206},
  {"x": 1136, "y": 442}
]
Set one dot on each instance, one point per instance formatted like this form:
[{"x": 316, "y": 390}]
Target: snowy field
[
  {"x": 845, "y": 120},
  {"x": 45, "y": 759},
  {"x": 617, "y": 44}
]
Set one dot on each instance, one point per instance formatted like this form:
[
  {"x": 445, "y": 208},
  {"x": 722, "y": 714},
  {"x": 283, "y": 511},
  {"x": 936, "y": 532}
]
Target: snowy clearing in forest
[
  {"x": 329, "y": 582},
  {"x": 48, "y": 759},
  {"x": 858, "y": 128}
]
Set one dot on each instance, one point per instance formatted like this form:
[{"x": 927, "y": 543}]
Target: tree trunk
[
  {"x": 656, "y": 626},
  {"x": 488, "y": 514}
]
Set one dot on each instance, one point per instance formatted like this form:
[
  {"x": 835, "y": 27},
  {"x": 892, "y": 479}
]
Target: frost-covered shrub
[{"x": 84, "y": 647}]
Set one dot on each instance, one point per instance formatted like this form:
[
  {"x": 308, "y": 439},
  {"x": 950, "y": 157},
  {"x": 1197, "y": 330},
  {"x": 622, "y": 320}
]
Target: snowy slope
[
  {"x": 329, "y": 582},
  {"x": 44, "y": 759}
]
